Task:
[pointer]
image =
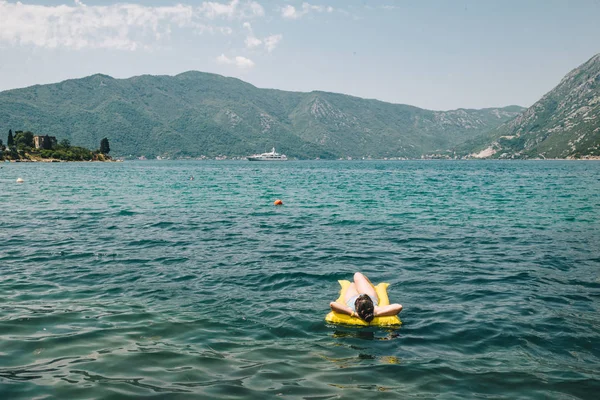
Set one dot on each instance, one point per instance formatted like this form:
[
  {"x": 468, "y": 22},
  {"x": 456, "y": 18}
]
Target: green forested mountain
[
  {"x": 565, "y": 123},
  {"x": 196, "y": 113}
]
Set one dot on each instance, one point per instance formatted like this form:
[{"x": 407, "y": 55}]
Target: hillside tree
[
  {"x": 24, "y": 139},
  {"x": 104, "y": 146},
  {"x": 11, "y": 140},
  {"x": 47, "y": 143}
]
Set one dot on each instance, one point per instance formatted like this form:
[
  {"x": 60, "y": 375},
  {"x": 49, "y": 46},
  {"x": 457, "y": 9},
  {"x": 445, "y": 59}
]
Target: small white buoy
[{"x": 20, "y": 180}]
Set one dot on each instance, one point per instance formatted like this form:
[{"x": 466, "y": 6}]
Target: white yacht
[{"x": 272, "y": 156}]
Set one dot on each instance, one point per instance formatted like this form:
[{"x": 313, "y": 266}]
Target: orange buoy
[{"x": 278, "y": 202}]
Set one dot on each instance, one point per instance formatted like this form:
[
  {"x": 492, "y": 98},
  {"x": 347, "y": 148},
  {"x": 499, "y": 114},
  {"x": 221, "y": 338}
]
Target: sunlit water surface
[{"x": 132, "y": 280}]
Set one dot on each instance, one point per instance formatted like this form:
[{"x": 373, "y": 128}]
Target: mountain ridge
[
  {"x": 564, "y": 123},
  {"x": 196, "y": 113}
]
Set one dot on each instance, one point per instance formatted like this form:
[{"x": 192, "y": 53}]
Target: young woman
[{"x": 362, "y": 301}]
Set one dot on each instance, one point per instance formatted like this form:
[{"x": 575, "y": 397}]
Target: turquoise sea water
[{"x": 129, "y": 280}]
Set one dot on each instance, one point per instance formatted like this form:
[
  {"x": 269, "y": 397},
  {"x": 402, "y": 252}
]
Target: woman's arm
[
  {"x": 384, "y": 311},
  {"x": 342, "y": 308}
]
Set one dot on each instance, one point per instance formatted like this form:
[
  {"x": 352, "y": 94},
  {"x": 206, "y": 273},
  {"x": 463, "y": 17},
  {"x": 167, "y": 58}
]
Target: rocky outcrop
[{"x": 564, "y": 123}]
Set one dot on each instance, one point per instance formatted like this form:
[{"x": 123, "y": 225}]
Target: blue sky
[{"x": 433, "y": 54}]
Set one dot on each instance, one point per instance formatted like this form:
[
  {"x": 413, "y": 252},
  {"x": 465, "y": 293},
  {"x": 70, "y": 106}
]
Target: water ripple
[{"x": 129, "y": 280}]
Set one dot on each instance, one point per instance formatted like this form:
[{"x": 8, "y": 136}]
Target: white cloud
[
  {"x": 232, "y": 10},
  {"x": 244, "y": 62},
  {"x": 223, "y": 59},
  {"x": 256, "y": 9},
  {"x": 290, "y": 12},
  {"x": 239, "y": 61},
  {"x": 272, "y": 41},
  {"x": 124, "y": 26},
  {"x": 252, "y": 41},
  {"x": 213, "y": 10}
]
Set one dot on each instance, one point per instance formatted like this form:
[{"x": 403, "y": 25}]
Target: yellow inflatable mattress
[{"x": 381, "y": 290}]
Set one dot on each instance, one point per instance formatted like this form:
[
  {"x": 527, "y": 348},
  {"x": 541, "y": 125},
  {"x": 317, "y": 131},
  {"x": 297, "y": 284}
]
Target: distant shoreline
[
  {"x": 29, "y": 158},
  {"x": 595, "y": 158},
  {"x": 55, "y": 160},
  {"x": 117, "y": 159}
]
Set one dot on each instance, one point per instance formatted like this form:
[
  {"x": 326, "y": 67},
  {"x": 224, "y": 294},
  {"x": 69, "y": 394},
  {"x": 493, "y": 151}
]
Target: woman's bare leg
[
  {"x": 351, "y": 291},
  {"x": 364, "y": 285}
]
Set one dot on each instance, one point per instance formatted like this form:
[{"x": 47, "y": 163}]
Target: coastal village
[{"x": 25, "y": 146}]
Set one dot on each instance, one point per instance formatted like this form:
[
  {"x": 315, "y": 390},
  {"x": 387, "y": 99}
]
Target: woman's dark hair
[{"x": 364, "y": 307}]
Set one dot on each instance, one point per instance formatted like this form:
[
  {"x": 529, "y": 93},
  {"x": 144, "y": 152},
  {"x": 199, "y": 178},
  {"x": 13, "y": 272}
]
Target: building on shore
[{"x": 44, "y": 142}]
